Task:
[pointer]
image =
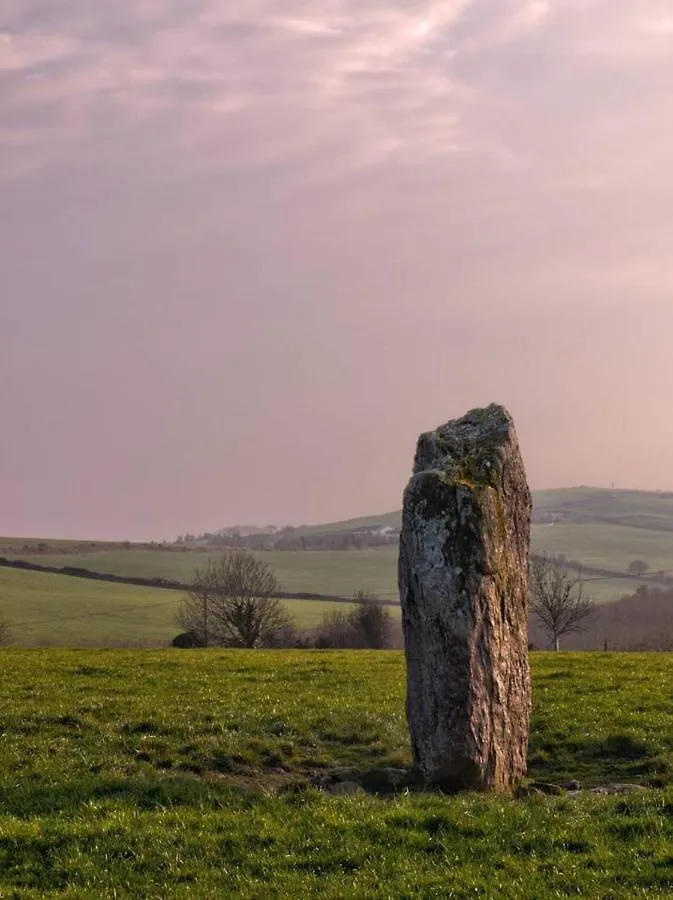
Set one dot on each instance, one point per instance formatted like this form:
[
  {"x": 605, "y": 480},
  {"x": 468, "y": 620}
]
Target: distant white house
[{"x": 385, "y": 531}]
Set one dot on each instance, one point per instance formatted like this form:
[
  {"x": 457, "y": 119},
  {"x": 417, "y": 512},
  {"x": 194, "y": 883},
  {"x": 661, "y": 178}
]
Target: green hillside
[
  {"x": 335, "y": 572},
  {"x": 606, "y": 546},
  {"x": 600, "y": 528},
  {"x": 650, "y": 510},
  {"x": 392, "y": 519},
  {"x": 58, "y": 611}
]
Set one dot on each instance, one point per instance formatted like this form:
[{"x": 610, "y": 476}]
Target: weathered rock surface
[{"x": 463, "y": 577}]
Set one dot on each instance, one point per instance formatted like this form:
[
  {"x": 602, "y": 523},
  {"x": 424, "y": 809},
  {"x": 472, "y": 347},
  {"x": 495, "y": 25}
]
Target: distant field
[
  {"x": 344, "y": 572},
  {"x": 196, "y": 774},
  {"x": 644, "y": 509},
  {"x": 606, "y": 546},
  {"x": 392, "y": 519},
  {"x": 606, "y": 590},
  {"x": 652, "y": 510},
  {"x": 589, "y": 527},
  {"x": 58, "y": 611},
  {"x": 326, "y": 571}
]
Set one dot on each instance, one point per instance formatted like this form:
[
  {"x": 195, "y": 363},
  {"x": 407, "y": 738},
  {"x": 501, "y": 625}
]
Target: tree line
[
  {"x": 291, "y": 539},
  {"x": 233, "y": 602}
]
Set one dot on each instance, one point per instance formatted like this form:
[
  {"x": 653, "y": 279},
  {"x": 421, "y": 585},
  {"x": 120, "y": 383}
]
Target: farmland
[
  {"x": 340, "y": 573},
  {"x": 59, "y": 611},
  {"x": 601, "y": 529},
  {"x": 343, "y": 572},
  {"x": 157, "y": 773}
]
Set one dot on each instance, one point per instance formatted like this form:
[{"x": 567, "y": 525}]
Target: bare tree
[
  {"x": 231, "y": 603},
  {"x": 367, "y": 625},
  {"x": 5, "y": 634},
  {"x": 372, "y": 621},
  {"x": 637, "y": 567},
  {"x": 557, "y": 599},
  {"x": 195, "y": 611},
  {"x": 334, "y": 632}
]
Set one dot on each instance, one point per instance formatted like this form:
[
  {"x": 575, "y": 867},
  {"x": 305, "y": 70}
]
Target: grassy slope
[
  {"x": 650, "y": 509},
  {"x": 343, "y": 572},
  {"x": 606, "y": 546},
  {"x": 392, "y": 519},
  {"x": 326, "y": 571},
  {"x": 589, "y": 532},
  {"x": 183, "y": 773},
  {"x": 59, "y": 611}
]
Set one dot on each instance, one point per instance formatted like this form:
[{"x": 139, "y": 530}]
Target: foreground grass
[
  {"x": 155, "y": 774},
  {"x": 59, "y": 611}
]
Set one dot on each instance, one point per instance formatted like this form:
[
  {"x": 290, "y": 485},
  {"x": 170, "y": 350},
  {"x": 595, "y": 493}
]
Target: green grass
[
  {"x": 342, "y": 573},
  {"x": 592, "y": 531},
  {"x": 645, "y": 509},
  {"x": 335, "y": 572},
  {"x": 607, "y": 591},
  {"x": 59, "y": 611},
  {"x": 652, "y": 510},
  {"x": 606, "y": 546},
  {"x": 392, "y": 519},
  {"x": 155, "y": 774}
]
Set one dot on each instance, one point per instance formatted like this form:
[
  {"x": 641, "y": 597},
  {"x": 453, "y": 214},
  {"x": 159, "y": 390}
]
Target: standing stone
[{"x": 463, "y": 575}]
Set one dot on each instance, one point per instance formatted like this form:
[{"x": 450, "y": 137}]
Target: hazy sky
[{"x": 251, "y": 248}]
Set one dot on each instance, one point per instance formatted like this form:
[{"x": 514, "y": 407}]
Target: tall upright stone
[{"x": 463, "y": 576}]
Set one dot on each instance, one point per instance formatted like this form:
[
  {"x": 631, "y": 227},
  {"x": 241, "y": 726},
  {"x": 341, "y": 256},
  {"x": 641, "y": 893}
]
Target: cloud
[
  {"x": 333, "y": 89},
  {"x": 199, "y": 73},
  {"x": 332, "y": 219}
]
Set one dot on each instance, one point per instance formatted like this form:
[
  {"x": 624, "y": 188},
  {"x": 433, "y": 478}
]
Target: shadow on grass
[
  {"x": 616, "y": 760},
  {"x": 206, "y": 790},
  {"x": 617, "y": 757},
  {"x": 136, "y": 791}
]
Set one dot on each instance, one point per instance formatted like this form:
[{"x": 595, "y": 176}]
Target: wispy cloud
[
  {"x": 210, "y": 75},
  {"x": 309, "y": 217},
  {"x": 570, "y": 97},
  {"x": 522, "y": 88}
]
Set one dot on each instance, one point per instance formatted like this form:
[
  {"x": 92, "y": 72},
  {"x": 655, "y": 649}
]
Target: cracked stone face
[{"x": 463, "y": 578}]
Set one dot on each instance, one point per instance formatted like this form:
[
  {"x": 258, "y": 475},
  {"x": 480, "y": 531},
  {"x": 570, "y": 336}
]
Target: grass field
[
  {"x": 344, "y": 572},
  {"x": 335, "y": 572},
  {"x": 606, "y": 546},
  {"x": 591, "y": 530},
  {"x": 59, "y": 611},
  {"x": 180, "y": 773},
  {"x": 652, "y": 510}
]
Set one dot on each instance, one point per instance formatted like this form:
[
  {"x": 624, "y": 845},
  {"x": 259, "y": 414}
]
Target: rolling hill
[
  {"x": 650, "y": 510},
  {"x": 603, "y": 530}
]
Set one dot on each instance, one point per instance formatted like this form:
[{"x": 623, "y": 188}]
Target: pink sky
[{"x": 251, "y": 249}]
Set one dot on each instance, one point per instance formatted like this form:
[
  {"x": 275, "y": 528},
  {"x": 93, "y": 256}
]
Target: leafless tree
[
  {"x": 371, "y": 621},
  {"x": 231, "y": 603},
  {"x": 193, "y": 614},
  {"x": 5, "y": 634},
  {"x": 557, "y": 599},
  {"x": 368, "y": 624},
  {"x": 637, "y": 567}
]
